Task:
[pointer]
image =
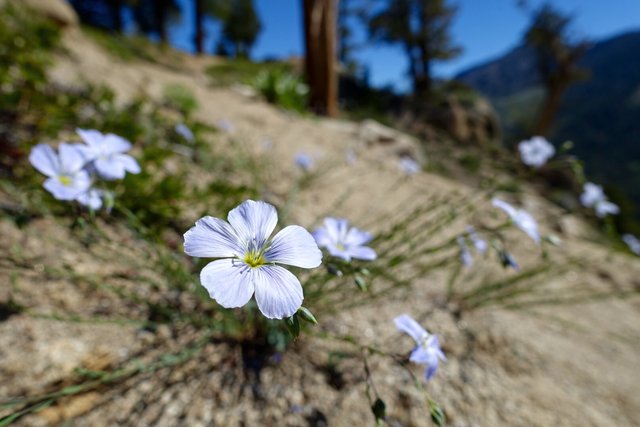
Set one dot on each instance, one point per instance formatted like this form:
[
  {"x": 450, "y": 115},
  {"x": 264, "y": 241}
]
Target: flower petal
[
  {"x": 212, "y": 238},
  {"x": 336, "y": 228},
  {"x": 229, "y": 282},
  {"x": 90, "y": 137},
  {"x": 253, "y": 221},
  {"x": 71, "y": 158},
  {"x": 364, "y": 253},
  {"x": 293, "y": 245},
  {"x": 357, "y": 237},
  {"x": 510, "y": 210},
  {"x": 109, "y": 168},
  {"x": 92, "y": 199},
  {"x": 278, "y": 291},
  {"x": 114, "y": 144},
  {"x": 406, "y": 324},
  {"x": 45, "y": 160},
  {"x": 129, "y": 163},
  {"x": 322, "y": 237}
]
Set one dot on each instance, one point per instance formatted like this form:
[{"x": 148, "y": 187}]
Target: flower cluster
[
  {"x": 427, "y": 351},
  {"x": 593, "y": 197},
  {"x": 536, "y": 151},
  {"x": 73, "y": 170}
]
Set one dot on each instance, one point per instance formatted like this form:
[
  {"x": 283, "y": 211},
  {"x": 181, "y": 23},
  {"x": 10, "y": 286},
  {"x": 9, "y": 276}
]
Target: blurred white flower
[
  {"x": 591, "y": 194},
  {"x": 106, "y": 151},
  {"x": 409, "y": 166},
  {"x": 536, "y": 151},
  {"x": 304, "y": 161},
  {"x": 520, "y": 218},
  {"x": 184, "y": 131},
  {"x": 593, "y": 197},
  {"x": 605, "y": 207}
]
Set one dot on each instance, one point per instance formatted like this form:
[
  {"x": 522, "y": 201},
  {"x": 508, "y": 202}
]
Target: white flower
[
  {"x": 107, "y": 154},
  {"x": 427, "y": 351},
  {"x": 343, "y": 241},
  {"x": 66, "y": 177},
  {"x": 249, "y": 257},
  {"x": 605, "y": 207},
  {"x": 184, "y": 131},
  {"x": 591, "y": 194},
  {"x": 593, "y": 197},
  {"x": 409, "y": 166},
  {"x": 536, "y": 151},
  {"x": 520, "y": 218},
  {"x": 304, "y": 161}
]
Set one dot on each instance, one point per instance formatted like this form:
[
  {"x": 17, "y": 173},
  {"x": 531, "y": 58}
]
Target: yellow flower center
[
  {"x": 65, "y": 180},
  {"x": 254, "y": 259}
]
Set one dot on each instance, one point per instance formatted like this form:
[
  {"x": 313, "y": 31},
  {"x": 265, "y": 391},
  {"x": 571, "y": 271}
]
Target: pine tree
[
  {"x": 421, "y": 27},
  {"x": 557, "y": 57}
]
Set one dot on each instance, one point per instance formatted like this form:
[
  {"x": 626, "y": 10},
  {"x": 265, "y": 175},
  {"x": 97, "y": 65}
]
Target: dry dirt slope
[{"x": 573, "y": 365}]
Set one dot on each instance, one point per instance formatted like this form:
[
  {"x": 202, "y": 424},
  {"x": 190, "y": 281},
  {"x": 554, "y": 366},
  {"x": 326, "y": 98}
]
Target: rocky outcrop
[{"x": 58, "y": 11}]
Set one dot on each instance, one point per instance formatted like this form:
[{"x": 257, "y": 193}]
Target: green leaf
[
  {"x": 306, "y": 314},
  {"x": 437, "y": 414},
  {"x": 360, "y": 282}
]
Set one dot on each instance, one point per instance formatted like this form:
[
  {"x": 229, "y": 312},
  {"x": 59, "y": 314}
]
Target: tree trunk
[
  {"x": 161, "y": 19},
  {"x": 548, "y": 110},
  {"x": 116, "y": 14},
  {"x": 320, "y": 55},
  {"x": 422, "y": 88},
  {"x": 198, "y": 38}
]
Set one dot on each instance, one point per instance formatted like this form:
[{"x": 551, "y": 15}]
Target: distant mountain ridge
[{"x": 600, "y": 114}]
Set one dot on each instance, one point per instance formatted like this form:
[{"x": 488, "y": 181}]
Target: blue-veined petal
[
  {"x": 45, "y": 160},
  {"x": 278, "y": 292},
  {"x": 212, "y": 238},
  {"x": 336, "y": 228},
  {"x": 253, "y": 221},
  {"x": 230, "y": 282},
  {"x": 406, "y": 324},
  {"x": 293, "y": 245}
]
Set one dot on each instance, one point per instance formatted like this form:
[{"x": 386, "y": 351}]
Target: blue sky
[{"x": 483, "y": 28}]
